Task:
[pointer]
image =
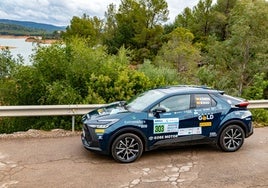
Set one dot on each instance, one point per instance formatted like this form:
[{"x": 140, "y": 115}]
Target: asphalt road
[{"x": 63, "y": 162}]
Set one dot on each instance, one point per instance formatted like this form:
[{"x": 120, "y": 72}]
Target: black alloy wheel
[
  {"x": 127, "y": 148},
  {"x": 231, "y": 138}
]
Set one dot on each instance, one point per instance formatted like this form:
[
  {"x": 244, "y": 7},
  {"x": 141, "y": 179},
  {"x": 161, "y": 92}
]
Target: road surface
[{"x": 63, "y": 162}]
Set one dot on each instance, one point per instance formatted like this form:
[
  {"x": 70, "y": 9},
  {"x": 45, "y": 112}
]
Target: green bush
[
  {"x": 75, "y": 74},
  {"x": 260, "y": 117},
  {"x": 15, "y": 124}
]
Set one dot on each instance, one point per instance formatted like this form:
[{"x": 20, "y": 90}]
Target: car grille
[
  {"x": 87, "y": 133},
  {"x": 90, "y": 136}
]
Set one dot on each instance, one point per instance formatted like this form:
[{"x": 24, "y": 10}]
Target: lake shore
[
  {"x": 27, "y": 39},
  {"x": 17, "y": 45},
  {"x": 10, "y": 37}
]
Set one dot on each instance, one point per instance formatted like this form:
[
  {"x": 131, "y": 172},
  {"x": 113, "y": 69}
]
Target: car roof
[{"x": 184, "y": 89}]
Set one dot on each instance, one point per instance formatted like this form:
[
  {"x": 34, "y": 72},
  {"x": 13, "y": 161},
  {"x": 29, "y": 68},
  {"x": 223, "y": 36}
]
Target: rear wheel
[
  {"x": 127, "y": 148},
  {"x": 232, "y": 138}
]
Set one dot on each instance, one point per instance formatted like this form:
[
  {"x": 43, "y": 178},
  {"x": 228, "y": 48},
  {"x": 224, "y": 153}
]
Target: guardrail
[
  {"x": 74, "y": 110},
  {"x": 47, "y": 110},
  {"x": 258, "y": 104}
]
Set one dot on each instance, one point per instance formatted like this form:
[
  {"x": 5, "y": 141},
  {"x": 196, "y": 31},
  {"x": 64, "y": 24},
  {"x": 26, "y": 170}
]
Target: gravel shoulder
[{"x": 33, "y": 133}]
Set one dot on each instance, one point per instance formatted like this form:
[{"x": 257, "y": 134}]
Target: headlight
[{"x": 103, "y": 124}]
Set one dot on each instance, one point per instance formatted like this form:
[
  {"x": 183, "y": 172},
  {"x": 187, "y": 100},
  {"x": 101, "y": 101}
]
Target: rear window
[
  {"x": 204, "y": 101},
  {"x": 231, "y": 100}
]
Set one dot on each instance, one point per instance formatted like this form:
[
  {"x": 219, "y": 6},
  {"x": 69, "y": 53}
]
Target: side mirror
[{"x": 158, "y": 110}]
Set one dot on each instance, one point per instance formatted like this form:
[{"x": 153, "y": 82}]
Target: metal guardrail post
[{"x": 73, "y": 123}]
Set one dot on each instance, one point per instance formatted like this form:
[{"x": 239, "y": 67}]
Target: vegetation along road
[{"x": 63, "y": 162}]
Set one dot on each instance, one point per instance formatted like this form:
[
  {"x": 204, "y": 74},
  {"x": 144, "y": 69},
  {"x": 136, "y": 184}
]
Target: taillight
[{"x": 242, "y": 104}]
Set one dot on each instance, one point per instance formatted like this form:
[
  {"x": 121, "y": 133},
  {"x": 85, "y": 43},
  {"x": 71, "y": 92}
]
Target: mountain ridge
[{"x": 34, "y": 25}]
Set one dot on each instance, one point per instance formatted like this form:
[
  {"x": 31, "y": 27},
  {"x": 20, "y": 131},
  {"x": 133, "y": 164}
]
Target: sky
[{"x": 60, "y": 12}]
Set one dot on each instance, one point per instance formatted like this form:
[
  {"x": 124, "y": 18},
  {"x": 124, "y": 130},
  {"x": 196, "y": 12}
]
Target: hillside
[
  {"x": 34, "y": 25},
  {"x": 17, "y": 30}
]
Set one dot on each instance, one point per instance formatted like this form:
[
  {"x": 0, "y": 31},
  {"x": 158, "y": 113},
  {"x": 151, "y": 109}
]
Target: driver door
[{"x": 171, "y": 121}]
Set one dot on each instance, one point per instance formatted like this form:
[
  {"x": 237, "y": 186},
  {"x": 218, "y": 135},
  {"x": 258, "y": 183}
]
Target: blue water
[{"x": 25, "y": 49}]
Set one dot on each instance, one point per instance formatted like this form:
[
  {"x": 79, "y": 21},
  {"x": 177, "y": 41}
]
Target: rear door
[{"x": 207, "y": 115}]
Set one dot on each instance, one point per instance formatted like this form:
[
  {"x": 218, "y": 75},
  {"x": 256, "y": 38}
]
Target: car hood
[{"x": 106, "y": 110}]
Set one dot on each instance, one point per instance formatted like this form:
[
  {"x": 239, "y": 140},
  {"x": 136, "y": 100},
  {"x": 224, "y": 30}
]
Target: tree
[
  {"x": 198, "y": 21},
  {"x": 221, "y": 16},
  {"x": 8, "y": 67},
  {"x": 202, "y": 14},
  {"x": 110, "y": 29},
  {"x": 7, "y": 63},
  {"x": 180, "y": 52},
  {"x": 136, "y": 25},
  {"x": 156, "y": 12},
  {"x": 206, "y": 19},
  {"x": 159, "y": 75},
  {"x": 244, "y": 53},
  {"x": 249, "y": 30},
  {"x": 85, "y": 27},
  {"x": 185, "y": 19}
]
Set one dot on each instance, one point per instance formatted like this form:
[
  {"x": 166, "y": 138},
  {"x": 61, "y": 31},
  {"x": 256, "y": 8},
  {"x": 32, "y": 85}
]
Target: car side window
[
  {"x": 204, "y": 101},
  {"x": 175, "y": 103}
]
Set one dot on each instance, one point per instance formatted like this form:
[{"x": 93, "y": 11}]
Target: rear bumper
[{"x": 251, "y": 130}]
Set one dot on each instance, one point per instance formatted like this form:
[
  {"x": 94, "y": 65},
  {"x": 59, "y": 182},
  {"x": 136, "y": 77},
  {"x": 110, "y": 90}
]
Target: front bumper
[{"x": 90, "y": 139}]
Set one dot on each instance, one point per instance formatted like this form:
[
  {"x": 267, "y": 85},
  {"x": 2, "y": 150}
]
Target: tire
[
  {"x": 231, "y": 138},
  {"x": 127, "y": 148}
]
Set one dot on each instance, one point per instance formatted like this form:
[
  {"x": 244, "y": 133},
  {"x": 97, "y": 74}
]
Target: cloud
[
  {"x": 60, "y": 12},
  {"x": 176, "y": 7}
]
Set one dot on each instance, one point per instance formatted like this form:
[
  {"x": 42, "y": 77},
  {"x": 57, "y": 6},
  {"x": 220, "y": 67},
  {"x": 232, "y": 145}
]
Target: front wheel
[
  {"x": 231, "y": 138},
  {"x": 127, "y": 148}
]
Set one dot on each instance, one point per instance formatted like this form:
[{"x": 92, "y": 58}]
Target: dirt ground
[{"x": 58, "y": 159}]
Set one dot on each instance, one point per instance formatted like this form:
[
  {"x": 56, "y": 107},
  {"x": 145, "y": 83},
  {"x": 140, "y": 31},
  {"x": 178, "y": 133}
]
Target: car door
[
  {"x": 207, "y": 115},
  {"x": 173, "y": 123}
]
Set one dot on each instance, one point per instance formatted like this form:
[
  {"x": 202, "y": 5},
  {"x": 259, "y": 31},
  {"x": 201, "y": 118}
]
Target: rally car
[{"x": 167, "y": 116}]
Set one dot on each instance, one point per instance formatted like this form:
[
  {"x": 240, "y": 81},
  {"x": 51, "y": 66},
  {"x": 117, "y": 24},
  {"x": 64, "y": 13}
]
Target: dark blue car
[{"x": 173, "y": 115}]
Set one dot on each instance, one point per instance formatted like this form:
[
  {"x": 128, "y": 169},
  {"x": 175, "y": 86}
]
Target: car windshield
[{"x": 144, "y": 100}]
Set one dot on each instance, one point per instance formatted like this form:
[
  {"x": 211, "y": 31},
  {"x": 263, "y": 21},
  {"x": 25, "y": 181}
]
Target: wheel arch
[
  {"x": 232, "y": 122},
  {"x": 132, "y": 130}
]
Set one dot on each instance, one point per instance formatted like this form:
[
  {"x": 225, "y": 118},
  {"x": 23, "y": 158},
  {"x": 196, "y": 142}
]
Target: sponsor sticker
[
  {"x": 202, "y": 100},
  {"x": 205, "y": 124},
  {"x": 205, "y": 117},
  {"x": 212, "y": 134},
  {"x": 134, "y": 122},
  {"x": 161, "y": 137},
  {"x": 190, "y": 131},
  {"x": 166, "y": 125},
  {"x": 99, "y": 131}
]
